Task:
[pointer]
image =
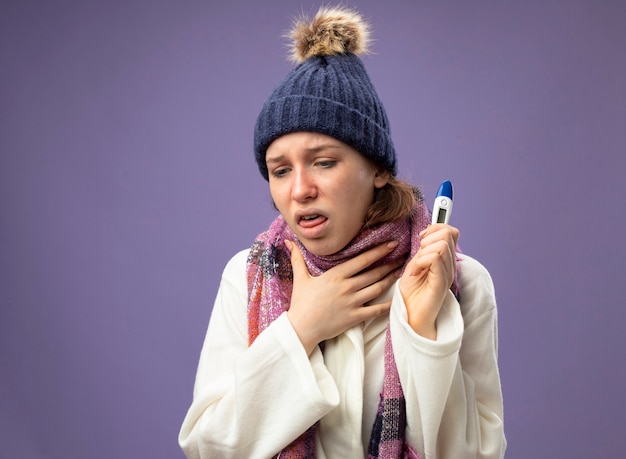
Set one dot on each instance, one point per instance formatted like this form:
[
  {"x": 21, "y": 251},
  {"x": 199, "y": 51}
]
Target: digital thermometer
[{"x": 443, "y": 203}]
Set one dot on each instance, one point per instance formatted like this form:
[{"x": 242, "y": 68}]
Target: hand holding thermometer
[{"x": 443, "y": 203}]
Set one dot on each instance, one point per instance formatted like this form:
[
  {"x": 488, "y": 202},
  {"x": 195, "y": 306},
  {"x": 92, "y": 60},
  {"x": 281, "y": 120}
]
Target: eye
[
  {"x": 326, "y": 163},
  {"x": 280, "y": 172}
]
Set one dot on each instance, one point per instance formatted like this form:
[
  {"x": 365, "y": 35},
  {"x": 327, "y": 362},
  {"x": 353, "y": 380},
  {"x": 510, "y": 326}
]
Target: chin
[{"x": 322, "y": 248}]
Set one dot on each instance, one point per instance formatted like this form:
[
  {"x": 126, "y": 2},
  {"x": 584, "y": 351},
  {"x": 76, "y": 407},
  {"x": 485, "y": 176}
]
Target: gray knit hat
[{"x": 329, "y": 91}]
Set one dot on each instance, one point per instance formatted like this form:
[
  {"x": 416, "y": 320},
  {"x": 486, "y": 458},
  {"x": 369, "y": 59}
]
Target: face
[{"x": 322, "y": 187}]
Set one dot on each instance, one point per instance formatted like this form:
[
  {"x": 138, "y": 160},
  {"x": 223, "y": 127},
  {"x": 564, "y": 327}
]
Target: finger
[
  {"x": 439, "y": 231},
  {"x": 436, "y": 227},
  {"x": 298, "y": 265},
  {"x": 433, "y": 241},
  {"x": 433, "y": 264},
  {"x": 442, "y": 247},
  {"x": 371, "y": 276},
  {"x": 418, "y": 266},
  {"x": 364, "y": 313},
  {"x": 376, "y": 289},
  {"x": 366, "y": 259}
]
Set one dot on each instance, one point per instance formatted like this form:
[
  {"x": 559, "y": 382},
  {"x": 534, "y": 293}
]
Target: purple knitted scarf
[{"x": 270, "y": 280}]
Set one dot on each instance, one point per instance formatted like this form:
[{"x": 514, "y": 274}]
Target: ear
[{"x": 381, "y": 177}]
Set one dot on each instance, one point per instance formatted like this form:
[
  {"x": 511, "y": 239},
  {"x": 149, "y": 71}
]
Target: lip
[{"x": 311, "y": 228}]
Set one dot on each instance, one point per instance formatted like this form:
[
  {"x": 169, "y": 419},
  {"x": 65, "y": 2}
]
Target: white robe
[{"x": 250, "y": 402}]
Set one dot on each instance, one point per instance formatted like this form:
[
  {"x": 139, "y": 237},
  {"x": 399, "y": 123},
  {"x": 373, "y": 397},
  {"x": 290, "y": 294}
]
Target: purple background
[{"x": 127, "y": 181}]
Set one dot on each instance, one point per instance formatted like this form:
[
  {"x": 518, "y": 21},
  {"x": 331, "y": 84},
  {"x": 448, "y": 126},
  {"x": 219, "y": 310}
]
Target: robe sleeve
[
  {"x": 452, "y": 385},
  {"x": 241, "y": 406}
]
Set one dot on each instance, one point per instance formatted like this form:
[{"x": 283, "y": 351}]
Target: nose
[{"x": 304, "y": 187}]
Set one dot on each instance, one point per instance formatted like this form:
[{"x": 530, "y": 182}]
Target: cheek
[
  {"x": 277, "y": 188},
  {"x": 360, "y": 190},
  {"x": 356, "y": 199},
  {"x": 277, "y": 196}
]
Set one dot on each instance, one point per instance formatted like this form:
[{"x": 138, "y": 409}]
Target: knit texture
[
  {"x": 270, "y": 282},
  {"x": 332, "y": 95}
]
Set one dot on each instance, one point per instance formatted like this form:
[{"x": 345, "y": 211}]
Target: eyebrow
[
  {"x": 307, "y": 151},
  {"x": 275, "y": 159}
]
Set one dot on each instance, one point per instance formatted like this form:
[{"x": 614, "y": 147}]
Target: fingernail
[
  {"x": 392, "y": 245},
  {"x": 289, "y": 245}
]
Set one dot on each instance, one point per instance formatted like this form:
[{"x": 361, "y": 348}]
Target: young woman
[{"x": 351, "y": 328}]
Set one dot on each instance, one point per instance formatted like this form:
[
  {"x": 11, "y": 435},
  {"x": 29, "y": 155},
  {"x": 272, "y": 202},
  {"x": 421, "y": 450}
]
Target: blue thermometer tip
[{"x": 445, "y": 189}]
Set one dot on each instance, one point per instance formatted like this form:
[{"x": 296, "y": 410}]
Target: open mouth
[{"x": 309, "y": 221}]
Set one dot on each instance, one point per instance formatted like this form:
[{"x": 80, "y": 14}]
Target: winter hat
[{"x": 329, "y": 91}]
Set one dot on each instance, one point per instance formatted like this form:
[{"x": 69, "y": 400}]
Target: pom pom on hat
[
  {"x": 329, "y": 91},
  {"x": 332, "y": 31}
]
